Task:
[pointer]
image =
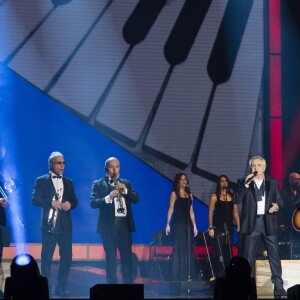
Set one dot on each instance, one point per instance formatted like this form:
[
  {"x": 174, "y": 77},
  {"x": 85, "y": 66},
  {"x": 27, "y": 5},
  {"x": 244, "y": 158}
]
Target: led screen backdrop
[{"x": 165, "y": 86}]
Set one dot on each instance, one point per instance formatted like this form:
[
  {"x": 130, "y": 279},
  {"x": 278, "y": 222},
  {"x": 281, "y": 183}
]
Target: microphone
[
  {"x": 187, "y": 189},
  {"x": 250, "y": 178}
]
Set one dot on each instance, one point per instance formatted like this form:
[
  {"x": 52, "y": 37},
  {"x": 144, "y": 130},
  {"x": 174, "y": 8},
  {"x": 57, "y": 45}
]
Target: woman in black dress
[
  {"x": 183, "y": 225},
  {"x": 221, "y": 213}
]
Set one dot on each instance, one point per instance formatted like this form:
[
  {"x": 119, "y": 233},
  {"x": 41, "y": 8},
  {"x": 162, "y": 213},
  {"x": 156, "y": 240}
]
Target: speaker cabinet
[{"x": 115, "y": 291}]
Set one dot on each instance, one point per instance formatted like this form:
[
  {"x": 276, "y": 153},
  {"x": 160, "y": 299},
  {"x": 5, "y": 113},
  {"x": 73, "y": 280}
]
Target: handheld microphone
[
  {"x": 250, "y": 178},
  {"x": 187, "y": 189}
]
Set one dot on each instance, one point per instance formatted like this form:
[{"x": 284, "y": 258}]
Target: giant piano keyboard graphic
[{"x": 177, "y": 83}]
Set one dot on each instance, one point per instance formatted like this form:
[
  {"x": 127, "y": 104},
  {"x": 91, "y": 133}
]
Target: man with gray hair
[
  {"x": 113, "y": 196},
  {"x": 261, "y": 199},
  {"x": 55, "y": 194}
]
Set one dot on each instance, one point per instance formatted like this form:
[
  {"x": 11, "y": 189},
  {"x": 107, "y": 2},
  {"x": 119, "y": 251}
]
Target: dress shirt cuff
[{"x": 108, "y": 199}]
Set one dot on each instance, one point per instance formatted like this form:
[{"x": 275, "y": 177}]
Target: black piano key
[
  {"x": 60, "y": 2},
  {"x": 176, "y": 50},
  {"x": 223, "y": 57},
  {"x": 230, "y": 34},
  {"x": 135, "y": 30},
  {"x": 141, "y": 20},
  {"x": 185, "y": 31}
]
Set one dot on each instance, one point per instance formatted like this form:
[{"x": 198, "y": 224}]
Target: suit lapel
[
  {"x": 253, "y": 190},
  {"x": 51, "y": 184},
  {"x": 267, "y": 188}
]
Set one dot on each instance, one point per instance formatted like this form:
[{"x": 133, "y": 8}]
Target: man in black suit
[
  {"x": 113, "y": 197},
  {"x": 56, "y": 195},
  {"x": 261, "y": 199}
]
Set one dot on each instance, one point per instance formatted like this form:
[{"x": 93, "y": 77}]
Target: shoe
[{"x": 280, "y": 291}]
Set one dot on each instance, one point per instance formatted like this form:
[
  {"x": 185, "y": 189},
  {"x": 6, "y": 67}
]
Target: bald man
[{"x": 113, "y": 197}]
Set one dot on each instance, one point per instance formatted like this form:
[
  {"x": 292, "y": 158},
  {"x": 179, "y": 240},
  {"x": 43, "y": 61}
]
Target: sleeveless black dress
[
  {"x": 223, "y": 223},
  {"x": 183, "y": 241}
]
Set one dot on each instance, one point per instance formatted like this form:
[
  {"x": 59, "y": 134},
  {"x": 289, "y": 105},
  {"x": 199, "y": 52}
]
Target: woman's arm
[
  {"x": 211, "y": 208},
  {"x": 193, "y": 220},
  {"x": 170, "y": 211}
]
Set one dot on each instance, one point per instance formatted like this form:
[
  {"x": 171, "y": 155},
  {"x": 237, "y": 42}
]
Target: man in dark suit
[
  {"x": 261, "y": 199},
  {"x": 56, "y": 195},
  {"x": 113, "y": 197}
]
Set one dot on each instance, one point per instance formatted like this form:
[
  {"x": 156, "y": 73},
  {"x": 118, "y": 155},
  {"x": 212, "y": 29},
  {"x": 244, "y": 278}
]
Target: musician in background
[
  {"x": 291, "y": 197},
  {"x": 3, "y": 205},
  {"x": 113, "y": 196},
  {"x": 221, "y": 213},
  {"x": 261, "y": 199},
  {"x": 182, "y": 229},
  {"x": 56, "y": 195}
]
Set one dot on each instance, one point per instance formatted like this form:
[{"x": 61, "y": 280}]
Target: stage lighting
[{"x": 25, "y": 281}]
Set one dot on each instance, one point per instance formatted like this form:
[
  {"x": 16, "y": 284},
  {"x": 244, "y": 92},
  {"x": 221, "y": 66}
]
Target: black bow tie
[{"x": 58, "y": 177}]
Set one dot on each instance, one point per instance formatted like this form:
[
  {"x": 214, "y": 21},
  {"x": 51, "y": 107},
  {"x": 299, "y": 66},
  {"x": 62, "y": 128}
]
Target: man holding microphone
[{"x": 261, "y": 199}]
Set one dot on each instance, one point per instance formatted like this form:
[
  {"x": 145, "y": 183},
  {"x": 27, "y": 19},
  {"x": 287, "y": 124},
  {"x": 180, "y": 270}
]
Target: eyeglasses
[{"x": 59, "y": 162}]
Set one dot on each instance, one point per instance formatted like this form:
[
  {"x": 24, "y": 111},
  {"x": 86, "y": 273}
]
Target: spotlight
[
  {"x": 25, "y": 281},
  {"x": 10, "y": 185}
]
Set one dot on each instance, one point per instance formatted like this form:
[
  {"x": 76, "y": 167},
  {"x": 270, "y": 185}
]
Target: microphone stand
[
  {"x": 189, "y": 284},
  {"x": 188, "y": 237}
]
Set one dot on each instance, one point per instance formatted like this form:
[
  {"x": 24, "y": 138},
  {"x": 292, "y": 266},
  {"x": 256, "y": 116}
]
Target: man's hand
[
  {"x": 3, "y": 202},
  {"x": 66, "y": 206},
  {"x": 56, "y": 205},
  {"x": 274, "y": 208}
]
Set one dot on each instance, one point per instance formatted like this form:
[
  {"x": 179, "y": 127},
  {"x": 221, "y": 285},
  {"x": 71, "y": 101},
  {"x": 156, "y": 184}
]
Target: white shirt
[
  {"x": 260, "y": 204},
  {"x": 59, "y": 187},
  {"x": 120, "y": 204}
]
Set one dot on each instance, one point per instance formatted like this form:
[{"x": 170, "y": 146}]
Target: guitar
[{"x": 296, "y": 220}]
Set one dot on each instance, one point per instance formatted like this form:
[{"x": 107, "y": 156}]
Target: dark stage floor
[{"x": 85, "y": 275}]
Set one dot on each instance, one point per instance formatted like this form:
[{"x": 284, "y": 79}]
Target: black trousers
[
  {"x": 119, "y": 237},
  {"x": 270, "y": 242},
  {"x": 64, "y": 241}
]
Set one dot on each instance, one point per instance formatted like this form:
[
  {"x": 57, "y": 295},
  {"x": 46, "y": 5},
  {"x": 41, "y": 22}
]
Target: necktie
[{"x": 58, "y": 177}]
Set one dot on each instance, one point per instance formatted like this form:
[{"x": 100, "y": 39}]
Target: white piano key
[
  {"x": 50, "y": 46},
  {"x": 176, "y": 126},
  {"x": 129, "y": 103},
  {"x": 232, "y": 119},
  {"x": 83, "y": 82},
  {"x": 17, "y": 19}
]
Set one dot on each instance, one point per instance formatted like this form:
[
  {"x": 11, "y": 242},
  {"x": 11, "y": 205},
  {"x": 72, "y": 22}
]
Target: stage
[{"x": 88, "y": 270}]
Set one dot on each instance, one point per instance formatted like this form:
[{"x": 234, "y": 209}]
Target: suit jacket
[
  {"x": 247, "y": 197},
  {"x": 43, "y": 194},
  {"x": 100, "y": 189}
]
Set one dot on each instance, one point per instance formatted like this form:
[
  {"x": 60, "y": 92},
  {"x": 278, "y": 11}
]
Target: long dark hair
[
  {"x": 218, "y": 189},
  {"x": 176, "y": 183}
]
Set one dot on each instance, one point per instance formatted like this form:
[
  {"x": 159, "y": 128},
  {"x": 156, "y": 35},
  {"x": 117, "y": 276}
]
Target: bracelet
[{"x": 211, "y": 228}]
